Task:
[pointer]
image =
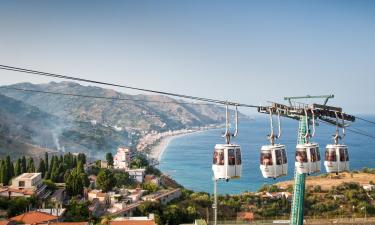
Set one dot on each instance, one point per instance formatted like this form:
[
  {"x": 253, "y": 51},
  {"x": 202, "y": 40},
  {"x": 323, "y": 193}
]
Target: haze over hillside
[{"x": 70, "y": 123}]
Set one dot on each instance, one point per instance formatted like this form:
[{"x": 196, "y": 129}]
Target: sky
[{"x": 246, "y": 51}]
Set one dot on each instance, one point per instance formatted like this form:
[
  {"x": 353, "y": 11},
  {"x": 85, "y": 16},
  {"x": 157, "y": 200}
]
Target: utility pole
[{"x": 214, "y": 206}]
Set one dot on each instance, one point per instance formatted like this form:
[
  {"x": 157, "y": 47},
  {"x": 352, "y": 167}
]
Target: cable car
[
  {"x": 336, "y": 158},
  {"x": 307, "y": 158},
  {"x": 273, "y": 161},
  {"x": 227, "y": 162}
]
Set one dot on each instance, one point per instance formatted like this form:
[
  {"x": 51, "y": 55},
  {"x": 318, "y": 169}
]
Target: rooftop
[
  {"x": 34, "y": 217},
  {"x": 28, "y": 176}
]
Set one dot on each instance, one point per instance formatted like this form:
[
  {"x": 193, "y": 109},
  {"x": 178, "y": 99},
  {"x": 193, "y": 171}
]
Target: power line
[
  {"x": 215, "y": 101},
  {"x": 102, "y": 97},
  {"x": 40, "y": 73},
  {"x": 354, "y": 130},
  {"x": 366, "y": 120}
]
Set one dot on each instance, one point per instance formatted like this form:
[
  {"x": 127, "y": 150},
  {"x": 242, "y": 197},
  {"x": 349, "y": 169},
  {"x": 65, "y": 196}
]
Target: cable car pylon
[{"x": 306, "y": 115}]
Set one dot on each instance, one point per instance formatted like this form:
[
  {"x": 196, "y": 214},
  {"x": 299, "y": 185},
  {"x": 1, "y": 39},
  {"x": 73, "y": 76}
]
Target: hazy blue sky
[{"x": 248, "y": 51}]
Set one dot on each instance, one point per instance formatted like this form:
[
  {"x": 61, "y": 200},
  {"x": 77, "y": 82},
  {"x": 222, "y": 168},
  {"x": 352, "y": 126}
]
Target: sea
[{"x": 188, "y": 158}]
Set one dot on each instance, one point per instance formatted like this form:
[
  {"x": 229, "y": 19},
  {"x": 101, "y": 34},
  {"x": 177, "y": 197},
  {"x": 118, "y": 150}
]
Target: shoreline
[{"x": 157, "y": 150}]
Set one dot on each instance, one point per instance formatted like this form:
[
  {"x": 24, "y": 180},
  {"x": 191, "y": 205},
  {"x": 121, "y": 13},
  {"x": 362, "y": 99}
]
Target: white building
[
  {"x": 163, "y": 196},
  {"x": 27, "y": 181},
  {"x": 122, "y": 158},
  {"x": 137, "y": 174}
]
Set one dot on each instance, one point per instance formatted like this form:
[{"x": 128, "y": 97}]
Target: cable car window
[
  {"x": 218, "y": 158},
  {"x": 279, "y": 159},
  {"x": 238, "y": 156},
  {"x": 266, "y": 159},
  {"x": 312, "y": 154},
  {"x": 347, "y": 155},
  {"x": 342, "y": 155},
  {"x": 231, "y": 157},
  {"x": 301, "y": 156},
  {"x": 331, "y": 155},
  {"x": 285, "y": 160}
]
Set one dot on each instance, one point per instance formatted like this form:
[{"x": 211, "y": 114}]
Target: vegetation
[
  {"x": 109, "y": 158},
  {"x": 106, "y": 180},
  {"x": 77, "y": 211}
]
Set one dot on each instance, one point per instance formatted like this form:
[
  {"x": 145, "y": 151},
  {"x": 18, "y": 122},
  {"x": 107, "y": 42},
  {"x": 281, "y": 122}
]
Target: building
[
  {"x": 137, "y": 174},
  {"x": 122, "y": 158},
  {"x": 94, "y": 208},
  {"x": 27, "y": 181},
  {"x": 150, "y": 178},
  {"x": 34, "y": 217},
  {"x": 58, "y": 197},
  {"x": 26, "y": 185},
  {"x": 163, "y": 196},
  {"x": 134, "y": 221},
  {"x": 368, "y": 187},
  {"x": 103, "y": 198}
]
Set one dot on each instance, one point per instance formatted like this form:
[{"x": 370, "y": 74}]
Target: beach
[{"x": 158, "y": 149}]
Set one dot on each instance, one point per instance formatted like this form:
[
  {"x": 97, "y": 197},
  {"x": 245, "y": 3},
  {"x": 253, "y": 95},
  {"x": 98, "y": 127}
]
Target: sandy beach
[{"x": 158, "y": 149}]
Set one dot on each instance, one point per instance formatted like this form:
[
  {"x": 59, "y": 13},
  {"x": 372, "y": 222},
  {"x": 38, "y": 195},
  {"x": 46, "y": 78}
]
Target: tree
[
  {"x": 9, "y": 167},
  {"x": 82, "y": 158},
  {"x": 42, "y": 167},
  {"x": 46, "y": 162},
  {"x": 123, "y": 179},
  {"x": 18, "y": 167},
  {"x": 139, "y": 161},
  {"x": 74, "y": 183},
  {"x": 23, "y": 164},
  {"x": 3, "y": 173},
  {"x": 150, "y": 187},
  {"x": 30, "y": 166},
  {"x": 109, "y": 159},
  {"x": 105, "y": 180},
  {"x": 77, "y": 212}
]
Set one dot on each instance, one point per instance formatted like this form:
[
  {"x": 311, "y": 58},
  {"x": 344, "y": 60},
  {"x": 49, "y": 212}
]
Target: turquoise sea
[{"x": 188, "y": 158}]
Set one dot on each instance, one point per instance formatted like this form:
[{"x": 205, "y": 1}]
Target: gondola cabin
[
  {"x": 336, "y": 158},
  {"x": 307, "y": 158},
  {"x": 273, "y": 161},
  {"x": 227, "y": 162}
]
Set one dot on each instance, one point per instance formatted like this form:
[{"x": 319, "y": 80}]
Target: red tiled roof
[
  {"x": 4, "y": 222},
  {"x": 34, "y": 217},
  {"x": 133, "y": 222}
]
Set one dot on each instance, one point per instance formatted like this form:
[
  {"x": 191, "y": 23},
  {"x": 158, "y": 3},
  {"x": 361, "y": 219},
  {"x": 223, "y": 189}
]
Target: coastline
[{"x": 157, "y": 150}]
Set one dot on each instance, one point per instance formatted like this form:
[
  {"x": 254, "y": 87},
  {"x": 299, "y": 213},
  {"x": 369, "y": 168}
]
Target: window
[
  {"x": 231, "y": 157},
  {"x": 21, "y": 183},
  {"x": 238, "y": 157},
  {"x": 218, "y": 158},
  {"x": 284, "y": 156},
  {"x": 301, "y": 156},
  {"x": 331, "y": 155},
  {"x": 313, "y": 154},
  {"x": 279, "y": 158},
  {"x": 343, "y": 154},
  {"x": 266, "y": 159}
]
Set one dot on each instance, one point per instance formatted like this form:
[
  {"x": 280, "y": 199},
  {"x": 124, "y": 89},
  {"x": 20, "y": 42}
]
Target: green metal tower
[{"x": 297, "y": 210}]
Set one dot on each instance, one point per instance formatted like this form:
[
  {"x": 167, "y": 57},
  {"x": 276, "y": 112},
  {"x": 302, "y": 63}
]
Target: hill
[
  {"x": 140, "y": 113},
  {"x": 25, "y": 129},
  {"x": 327, "y": 181}
]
